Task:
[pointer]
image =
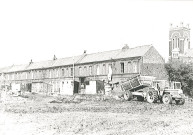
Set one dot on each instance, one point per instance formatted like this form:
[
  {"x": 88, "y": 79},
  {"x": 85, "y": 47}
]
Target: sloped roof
[
  {"x": 100, "y": 56},
  {"x": 116, "y": 54},
  {"x": 4, "y": 69},
  {"x": 66, "y": 61},
  {"x": 85, "y": 58},
  {"x": 133, "y": 52},
  {"x": 41, "y": 64},
  {"x": 16, "y": 68}
]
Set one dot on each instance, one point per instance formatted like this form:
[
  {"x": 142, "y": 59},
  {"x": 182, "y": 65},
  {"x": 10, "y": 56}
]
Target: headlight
[{"x": 180, "y": 92}]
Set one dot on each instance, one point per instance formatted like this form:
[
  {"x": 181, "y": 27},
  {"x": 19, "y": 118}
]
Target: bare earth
[{"x": 94, "y": 115}]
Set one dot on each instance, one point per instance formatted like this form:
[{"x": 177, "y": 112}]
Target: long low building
[{"x": 58, "y": 75}]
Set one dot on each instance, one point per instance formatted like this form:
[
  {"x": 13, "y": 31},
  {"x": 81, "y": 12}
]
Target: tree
[{"x": 182, "y": 72}]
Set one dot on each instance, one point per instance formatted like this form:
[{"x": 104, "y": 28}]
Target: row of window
[
  {"x": 99, "y": 69},
  {"x": 53, "y": 73},
  {"x": 132, "y": 67}
]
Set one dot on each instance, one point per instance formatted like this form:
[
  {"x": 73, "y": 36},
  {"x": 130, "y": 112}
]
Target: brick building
[
  {"x": 179, "y": 44},
  {"x": 54, "y": 76}
]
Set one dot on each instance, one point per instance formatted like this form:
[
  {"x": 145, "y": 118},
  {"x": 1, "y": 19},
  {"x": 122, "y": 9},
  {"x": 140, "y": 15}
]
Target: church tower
[{"x": 179, "y": 40}]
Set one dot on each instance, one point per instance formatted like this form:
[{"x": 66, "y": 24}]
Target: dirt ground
[{"x": 92, "y": 115}]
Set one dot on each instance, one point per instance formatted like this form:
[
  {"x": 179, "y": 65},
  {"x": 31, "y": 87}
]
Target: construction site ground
[{"x": 34, "y": 114}]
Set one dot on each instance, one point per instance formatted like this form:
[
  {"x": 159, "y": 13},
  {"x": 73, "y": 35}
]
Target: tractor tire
[
  {"x": 152, "y": 96},
  {"x": 128, "y": 95},
  {"x": 140, "y": 98},
  {"x": 180, "y": 102},
  {"x": 167, "y": 99}
]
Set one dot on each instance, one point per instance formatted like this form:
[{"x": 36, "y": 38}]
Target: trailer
[{"x": 152, "y": 90}]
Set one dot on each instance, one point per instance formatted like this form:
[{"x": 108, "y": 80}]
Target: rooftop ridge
[
  {"x": 120, "y": 49},
  {"x": 79, "y": 58}
]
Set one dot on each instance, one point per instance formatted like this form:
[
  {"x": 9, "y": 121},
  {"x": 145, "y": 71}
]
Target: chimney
[
  {"x": 187, "y": 26},
  {"x": 181, "y": 24},
  {"x": 125, "y": 47},
  {"x": 170, "y": 25},
  {"x": 54, "y": 57},
  {"x": 30, "y": 62}
]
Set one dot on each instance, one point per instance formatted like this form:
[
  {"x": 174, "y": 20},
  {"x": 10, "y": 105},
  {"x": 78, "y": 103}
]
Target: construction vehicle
[{"x": 147, "y": 88}]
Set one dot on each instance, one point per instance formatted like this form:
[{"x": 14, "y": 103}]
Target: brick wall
[
  {"x": 155, "y": 69},
  {"x": 153, "y": 64},
  {"x": 152, "y": 56}
]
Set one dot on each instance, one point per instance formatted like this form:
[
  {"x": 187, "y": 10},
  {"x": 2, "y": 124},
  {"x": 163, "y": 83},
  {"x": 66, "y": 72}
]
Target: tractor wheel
[
  {"x": 152, "y": 96},
  {"x": 140, "y": 98},
  {"x": 180, "y": 102},
  {"x": 128, "y": 95},
  {"x": 167, "y": 99}
]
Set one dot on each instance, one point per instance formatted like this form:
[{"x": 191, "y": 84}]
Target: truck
[{"x": 152, "y": 90}]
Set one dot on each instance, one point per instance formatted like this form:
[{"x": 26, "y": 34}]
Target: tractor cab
[{"x": 169, "y": 91}]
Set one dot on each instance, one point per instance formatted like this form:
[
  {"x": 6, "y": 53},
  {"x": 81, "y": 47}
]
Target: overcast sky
[{"x": 38, "y": 29}]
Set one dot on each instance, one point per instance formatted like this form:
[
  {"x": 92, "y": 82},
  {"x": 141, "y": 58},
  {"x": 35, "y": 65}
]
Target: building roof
[
  {"x": 125, "y": 52},
  {"x": 66, "y": 61},
  {"x": 134, "y": 52},
  {"x": 16, "y": 68},
  {"x": 116, "y": 54},
  {"x": 100, "y": 56},
  {"x": 41, "y": 64},
  {"x": 4, "y": 69}
]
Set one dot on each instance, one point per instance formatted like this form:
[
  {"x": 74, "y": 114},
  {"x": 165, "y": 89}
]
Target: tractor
[{"x": 151, "y": 90}]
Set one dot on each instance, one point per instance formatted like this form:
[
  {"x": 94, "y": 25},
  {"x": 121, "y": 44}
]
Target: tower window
[
  {"x": 176, "y": 42},
  {"x": 175, "y": 55},
  {"x": 173, "y": 44},
  {"x": 122, "y": 67}
]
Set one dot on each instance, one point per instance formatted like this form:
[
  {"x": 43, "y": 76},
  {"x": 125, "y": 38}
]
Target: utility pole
[{"x": 73, "y": 74}]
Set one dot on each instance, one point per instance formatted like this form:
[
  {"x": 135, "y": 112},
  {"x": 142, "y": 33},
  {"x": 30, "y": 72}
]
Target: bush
[{"x": 182, "y": 72}]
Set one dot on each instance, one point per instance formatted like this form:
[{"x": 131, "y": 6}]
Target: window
[
  {"x": 104, "y": 69},
  {"x": 122, "y": 67},
  {"x": 110, "y": 71},
  {"x": 129, "y": 67},
  {"x": 175, "y": 55},
  {"x": 98, "y": 69},
  {"x": 173, "y": 44},
  {"x": 80, "y": 70},
  {"x": 32, "y": 75},
  {"x": 85, "y": 73},
  {"x": 62, "y": 72},
  {"x": 135, "y": 67},
  {"x": 71, "y": 71},
  {"x": 67, "y": 74},
  {"x": 57, "y": 72},
  {"x": 90, "y": 70},
  {"x": 40, "y": 74}
]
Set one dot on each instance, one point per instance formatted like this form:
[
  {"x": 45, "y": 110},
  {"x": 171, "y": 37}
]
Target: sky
[{"x": 40, "y": 29}]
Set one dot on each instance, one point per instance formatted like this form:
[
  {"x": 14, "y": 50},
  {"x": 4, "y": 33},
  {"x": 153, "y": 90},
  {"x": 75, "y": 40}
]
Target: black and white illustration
[{"x": 87, "y": 67}]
